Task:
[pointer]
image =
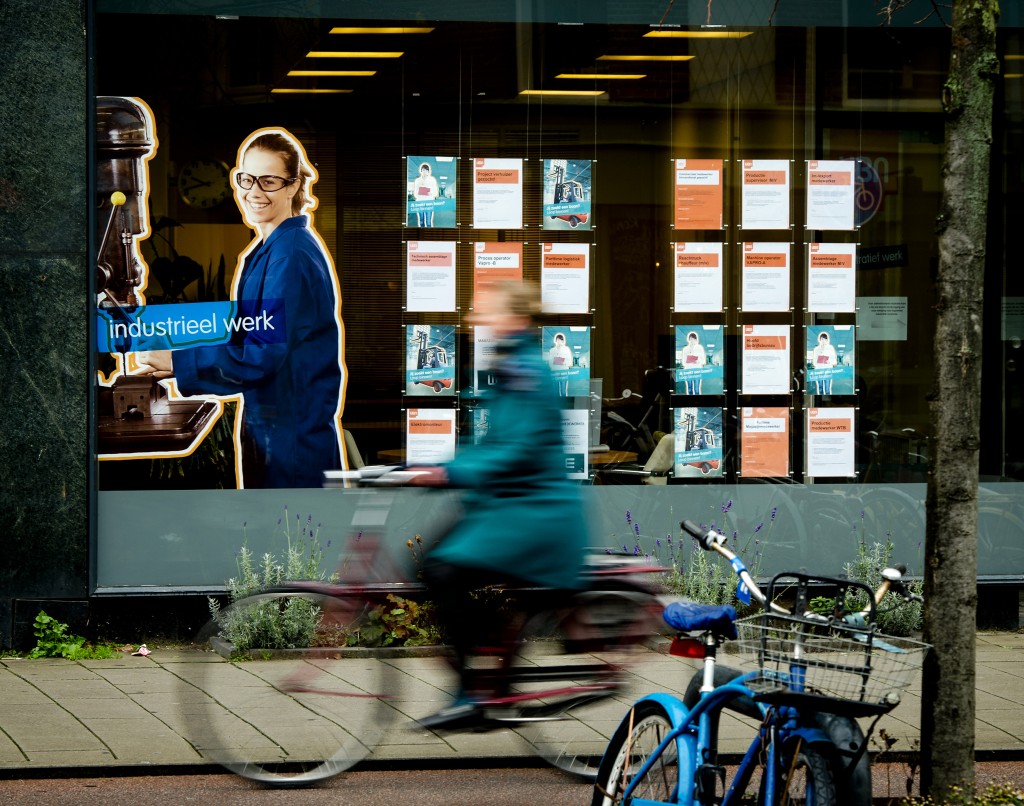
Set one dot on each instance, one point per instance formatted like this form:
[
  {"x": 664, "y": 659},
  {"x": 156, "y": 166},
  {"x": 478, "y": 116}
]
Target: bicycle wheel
[
  {"x": 804, "y": 778},
  {"x": 573, "y": 676},
  {"x": 286, "y": 717},
  {"x": 638, "y": 736}
]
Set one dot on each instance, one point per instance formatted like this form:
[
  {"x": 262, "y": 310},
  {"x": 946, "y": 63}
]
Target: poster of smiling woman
[
  {"x": 275, "y": 348},
  {"x": 430, "y": 191},
  {"x": 830, "y": 360},
  {"x": 567, "y": 350},
  {"x": 699, "y": 360}
]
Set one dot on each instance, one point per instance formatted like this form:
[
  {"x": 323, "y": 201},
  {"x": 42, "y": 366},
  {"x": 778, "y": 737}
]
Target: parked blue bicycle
[{"x": 811, "y": 675}]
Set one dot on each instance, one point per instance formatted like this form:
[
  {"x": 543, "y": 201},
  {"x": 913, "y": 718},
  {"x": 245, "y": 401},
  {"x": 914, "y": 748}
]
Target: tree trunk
[{"x": 948, "y": 703}]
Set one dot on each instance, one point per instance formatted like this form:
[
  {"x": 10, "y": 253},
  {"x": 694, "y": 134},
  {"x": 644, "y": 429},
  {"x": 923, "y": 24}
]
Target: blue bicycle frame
[{"x": 692, "y": 735}]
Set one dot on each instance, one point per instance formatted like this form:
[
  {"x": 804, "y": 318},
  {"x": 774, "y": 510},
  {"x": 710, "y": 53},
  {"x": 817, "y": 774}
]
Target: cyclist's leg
[{"x": 456, "y": 591}]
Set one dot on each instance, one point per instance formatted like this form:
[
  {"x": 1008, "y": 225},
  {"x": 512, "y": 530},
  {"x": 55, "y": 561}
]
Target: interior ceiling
[{"x": 245, "y": 59}]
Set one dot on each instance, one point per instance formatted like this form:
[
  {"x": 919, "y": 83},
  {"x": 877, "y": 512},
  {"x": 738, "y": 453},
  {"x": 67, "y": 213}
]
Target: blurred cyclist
[{"x": 524, "y": 521}]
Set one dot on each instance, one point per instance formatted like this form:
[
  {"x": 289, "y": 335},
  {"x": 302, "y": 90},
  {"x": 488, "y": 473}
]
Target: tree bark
[{"x": 948, "y": 701}]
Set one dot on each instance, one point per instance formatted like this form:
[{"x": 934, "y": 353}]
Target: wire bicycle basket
[{"x": 826, "y": 664}]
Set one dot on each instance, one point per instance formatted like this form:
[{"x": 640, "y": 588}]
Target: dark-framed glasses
[{"x": 268, "y": 183}]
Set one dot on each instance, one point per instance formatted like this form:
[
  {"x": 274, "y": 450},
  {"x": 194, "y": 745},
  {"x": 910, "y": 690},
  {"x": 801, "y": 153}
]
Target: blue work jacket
[{"x": 290, "y": 378}]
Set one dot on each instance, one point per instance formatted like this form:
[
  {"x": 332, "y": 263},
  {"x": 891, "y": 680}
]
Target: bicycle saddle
[{"x": 691, "y": 617}]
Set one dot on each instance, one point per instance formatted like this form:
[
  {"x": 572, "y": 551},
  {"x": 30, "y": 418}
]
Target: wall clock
[{"x": 204, "y": 183}]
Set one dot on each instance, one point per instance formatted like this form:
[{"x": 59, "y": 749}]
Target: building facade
[{"x": 730, "y": 208}]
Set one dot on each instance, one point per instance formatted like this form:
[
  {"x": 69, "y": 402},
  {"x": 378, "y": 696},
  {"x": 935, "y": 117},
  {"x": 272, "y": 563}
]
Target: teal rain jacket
[{"x": 523, "y": 515}]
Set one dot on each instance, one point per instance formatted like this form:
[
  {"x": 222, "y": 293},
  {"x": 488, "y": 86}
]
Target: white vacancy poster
[
  {"x": 882, "y": 318},
  {"x": 484, "y": 345},
  {"x": 765, "y": 276},
  {"x": 575, "y": 433},
  {"x": 565, "y": 277},
  {"x": 497, "y": 193},
  {"x": 766, "y": 360},
  {"x": 430, "y": 276},
  {"x": 830, "y": 447},
  {"x": 831, "y": 277},
  {"x": 698, "y": 277},
  {"x": 429, "y": 436},
  {"x": 830, "y": 194},
  {"x": 765, "y": 194}
]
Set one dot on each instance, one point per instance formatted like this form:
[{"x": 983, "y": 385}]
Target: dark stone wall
[{"x": 44, "y": 384}]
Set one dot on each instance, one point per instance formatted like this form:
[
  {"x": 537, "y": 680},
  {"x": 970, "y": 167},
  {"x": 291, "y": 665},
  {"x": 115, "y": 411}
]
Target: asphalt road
[
  {"x": 473, "y": 787},
  {"x": 459, "y": 787}
]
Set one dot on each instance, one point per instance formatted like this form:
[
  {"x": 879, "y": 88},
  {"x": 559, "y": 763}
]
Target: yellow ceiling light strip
[
  {"x": 645, "y": 58},
  {"x": 332, "y": 72},
  {"x": 380, "y": 30},
  {"x": 577, "y": 93},
  {"x": 662, "y": 34},
  {"x": 609, "y": 76},
  {"x": 354, "y": 54},
  {"x": 288, "y": 91}
]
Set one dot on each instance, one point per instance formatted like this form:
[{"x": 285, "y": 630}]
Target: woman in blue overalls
[{"x": 290, "y": 376}]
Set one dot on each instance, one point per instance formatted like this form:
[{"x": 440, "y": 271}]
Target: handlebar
[
  {"x": 711, "y": 540},
  {"x": 371, "y": 476}
]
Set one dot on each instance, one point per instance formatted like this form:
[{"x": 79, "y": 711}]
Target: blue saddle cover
[{"x": 691, "y": 616}]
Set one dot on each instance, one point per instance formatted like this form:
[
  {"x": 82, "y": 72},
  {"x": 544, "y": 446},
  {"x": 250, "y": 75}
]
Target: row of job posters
[
  {"x": 764, "y": 442},
  {"x": 567, "y": 193},
  {"x": 829, "y": 368},
  {"x": 765, "y": 194},
  {"x": 430, "y": 273},
  {"x": 765, "y": 277},
  {"x": 765, "y": 205}
]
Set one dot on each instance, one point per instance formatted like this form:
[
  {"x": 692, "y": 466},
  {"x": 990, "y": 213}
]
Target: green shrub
[
  {"x": 994, "y": 794},
  {"x": 55, "y": 640},
  {"x": 274, "y": 623},
  {"x": 895, "y": 616},
  {"x": 399, "y": 622}
]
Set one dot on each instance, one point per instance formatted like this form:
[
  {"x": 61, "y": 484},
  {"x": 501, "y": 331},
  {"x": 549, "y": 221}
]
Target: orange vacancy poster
[
  {"x": 496, "y": 263},
  {"x": 764, "y": 442},
  {"x": 430, "y": 436},
  {"x": 831, "y": 277},
  {"x": 830, "y": 191},
  {"x": 698, "y": 194},
  {"x": 565, "y": 277},
  {"x": 430, "y": 276},
  {"x": 765, "y": 276},
  {"x": 698, "y": 276},
  {"x": 765, "y": 194},
  {"x": 830, "y": 447},
  {"x": 765, "y": 360},
  {"x": 497, "y": 193}
]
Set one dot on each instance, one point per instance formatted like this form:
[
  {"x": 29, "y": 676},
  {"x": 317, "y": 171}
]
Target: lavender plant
[{"x": 274, "y": 623}]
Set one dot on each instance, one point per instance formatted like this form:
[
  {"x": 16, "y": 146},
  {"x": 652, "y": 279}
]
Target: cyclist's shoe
[{"x": 463, "y": 713}]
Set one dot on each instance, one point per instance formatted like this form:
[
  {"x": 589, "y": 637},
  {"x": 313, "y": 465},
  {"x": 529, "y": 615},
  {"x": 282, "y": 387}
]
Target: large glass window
[{"x": 600, "y": 114}]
